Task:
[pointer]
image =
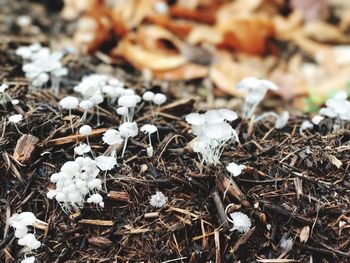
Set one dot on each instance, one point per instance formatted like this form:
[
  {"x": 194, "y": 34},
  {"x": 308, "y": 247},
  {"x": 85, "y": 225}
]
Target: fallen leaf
[
  {"x": 142, "y": 58},
  {"x": 311, "y": 9},
  {"x": 185, "y": 72},
  {"x": 225, "y": 73},
  {"x": 247, "y": 34}
]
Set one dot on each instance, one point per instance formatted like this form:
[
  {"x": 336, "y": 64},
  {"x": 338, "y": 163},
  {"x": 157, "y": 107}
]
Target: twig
[{"x": 221, "y": 210}]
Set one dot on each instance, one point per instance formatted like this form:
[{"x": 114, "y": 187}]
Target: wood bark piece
[
  {"x": 96, "y": 222},
  {"x": 232, "y": 189},
  {"x": 100, "y": 241},
  {"x": 119, "y": 196},
  {"x": 26, "y": 148},
  {"x": 76, "y": 137},
  {"x": 221, "y": 210}
]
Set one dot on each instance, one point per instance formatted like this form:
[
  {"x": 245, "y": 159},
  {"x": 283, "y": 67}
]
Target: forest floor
[{"x": 295, "y": 185}]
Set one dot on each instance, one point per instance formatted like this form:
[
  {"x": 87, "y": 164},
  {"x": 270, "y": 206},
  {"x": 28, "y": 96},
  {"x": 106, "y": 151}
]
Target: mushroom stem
[
  {"x": 71, "y": 121},
  {"x": 124, "y": 147}
]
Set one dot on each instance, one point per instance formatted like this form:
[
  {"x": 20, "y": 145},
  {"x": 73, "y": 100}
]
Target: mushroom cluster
[
  {"x": 337, "y": 107},
  {"x": 21, "y": 222},
  {"x": 255, "y": 91},
  {"x": 42, "y": 65},
  {"x": 74, "y": 182},
  {"x": 213, "y": 132}
]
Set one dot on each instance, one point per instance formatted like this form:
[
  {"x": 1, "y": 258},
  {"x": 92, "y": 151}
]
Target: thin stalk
[{"x": 124, "y": 147}]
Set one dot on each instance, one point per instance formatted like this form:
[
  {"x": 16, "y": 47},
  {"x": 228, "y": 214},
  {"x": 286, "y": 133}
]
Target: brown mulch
[{"x": 293, "y": 183}]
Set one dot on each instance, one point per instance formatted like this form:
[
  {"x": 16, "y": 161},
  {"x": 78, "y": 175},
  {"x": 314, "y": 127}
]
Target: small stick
[
  {"x": 152, "y": 215},
  {"x": 217, "y": 245},
  {"x": 232, "y": 189},
  {"x": 221, "y": 210}
]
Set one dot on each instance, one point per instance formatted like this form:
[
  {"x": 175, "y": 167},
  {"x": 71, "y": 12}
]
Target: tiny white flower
[
  {"x": 235, "y": 169},
  {"x": 240, "y": 221},
  {"x": 158, "y": 199}
]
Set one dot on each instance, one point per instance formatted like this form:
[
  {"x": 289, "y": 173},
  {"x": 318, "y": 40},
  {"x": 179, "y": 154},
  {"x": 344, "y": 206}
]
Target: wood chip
[
  {"x": 96, "y": 222},
  {"x": 26, "y": 148},
  {"x": 118, "y": 196},
  {"x": 75, "y": 137},
  {"x": 100, "y": 241}
]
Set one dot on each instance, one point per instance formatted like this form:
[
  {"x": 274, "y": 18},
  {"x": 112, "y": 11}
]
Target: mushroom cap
[
  {"x": 106, "y": 163},
  {"x": 128, "y": 129},
  {"x": 240, "y": 221},
  {"x": 112, "y": 137},
  {"x": 16, "y": 118},
  {"x": 69, "y": 103},
  {"x": 148, "y": 96},
  {"x": 195, "y": 119},
  {"x": 159, "y": 99},
  {"x": 148, "y": 128}
]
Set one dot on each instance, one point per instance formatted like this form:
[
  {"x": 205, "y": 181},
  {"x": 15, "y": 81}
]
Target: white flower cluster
[
  {"x": 213, "y": 132},
  {"x": 41, "y": 65},
  {"x": 20, "y": 223},
  {"x": 158, "y": 200},
  {"x": 75, "y": 180},
  {"x": 255, "y": 90}
]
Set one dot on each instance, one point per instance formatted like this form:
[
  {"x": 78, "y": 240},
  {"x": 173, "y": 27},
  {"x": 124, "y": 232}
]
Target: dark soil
[{"x": 189, "y": 226}]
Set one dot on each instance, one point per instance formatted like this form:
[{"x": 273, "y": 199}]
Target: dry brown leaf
[
  {"x": 130, "y": 14},
  {"x": 286, "y": 27},
  {"x": 325, "y": 32},
  {"x": 226, "y": 72},
  {"x": 203, "y": 16},
  {"x": 150, "y": 36},
  {"x": 143, "y": 59},
  {"x": 237, "y": 7},
  {"x": 311, "y": 9},
  {"x": 73, "y": 8},
  {"x": 247, "y": 34},
  {"x": 204, "y": 34},
  {"x": 185, "y": 72},
  {"x": 179, "y": 28}
]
